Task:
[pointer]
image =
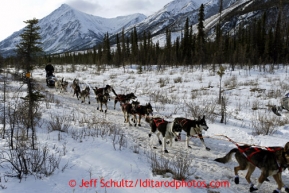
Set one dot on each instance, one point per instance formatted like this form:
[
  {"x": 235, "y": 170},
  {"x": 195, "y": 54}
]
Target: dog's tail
[
  {"x": 227, "y": 157},
  {"x": 113, "y": 91}
]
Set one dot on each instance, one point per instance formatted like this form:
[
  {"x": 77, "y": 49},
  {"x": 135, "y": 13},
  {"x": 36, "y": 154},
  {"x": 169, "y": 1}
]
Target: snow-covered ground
[{"x": 93, "y": 155}]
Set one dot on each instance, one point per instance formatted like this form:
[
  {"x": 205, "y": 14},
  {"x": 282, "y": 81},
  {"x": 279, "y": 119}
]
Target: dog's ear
[{"x": 286, "y": 147}]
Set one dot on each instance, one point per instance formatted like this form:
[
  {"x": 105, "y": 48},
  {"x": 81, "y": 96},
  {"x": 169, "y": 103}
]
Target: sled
[{"x": 50, "y": 81}]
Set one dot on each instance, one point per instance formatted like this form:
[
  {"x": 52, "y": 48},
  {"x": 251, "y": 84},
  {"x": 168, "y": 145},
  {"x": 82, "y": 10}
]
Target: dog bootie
[
  {"x": 252, "y": 189},
  {"x": 276, "y": 191},
  {"x": 236, "y": 180}
]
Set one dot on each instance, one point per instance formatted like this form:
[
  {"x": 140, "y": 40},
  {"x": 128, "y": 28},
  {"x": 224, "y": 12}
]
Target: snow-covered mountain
[
  {"x": 174, "y": 15},
  {"x": 67, "y": 29}
]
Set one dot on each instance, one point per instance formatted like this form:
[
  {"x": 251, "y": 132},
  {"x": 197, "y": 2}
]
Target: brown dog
[
  {"x": 271, "y": 161},
  {"x": 123, "y": 98}
]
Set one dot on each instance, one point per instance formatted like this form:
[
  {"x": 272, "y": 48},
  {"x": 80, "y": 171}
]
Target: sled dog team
[
  {"x": 271, "y": 161},
  {"x": 168, "y": 130}
]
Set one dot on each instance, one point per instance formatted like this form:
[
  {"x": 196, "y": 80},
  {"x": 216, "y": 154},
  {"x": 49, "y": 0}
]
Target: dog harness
[
  {"x": 183, "y": 122},
  {"x": 196, "y": 129},
  {"x": 121, "y": 98},
  {"x": 257, "y": 150},
  {"x": 270, "y": 149},
  {"x": 159, "y": 121},
  {"x": 244, "y": 149}
]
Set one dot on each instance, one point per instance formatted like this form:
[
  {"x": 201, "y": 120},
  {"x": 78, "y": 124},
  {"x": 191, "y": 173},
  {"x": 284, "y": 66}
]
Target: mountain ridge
[{"x": 67, "y": 29}]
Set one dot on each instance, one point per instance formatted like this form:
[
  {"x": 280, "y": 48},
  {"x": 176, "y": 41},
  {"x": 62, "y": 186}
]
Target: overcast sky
[{"x": 14, "y": 12}]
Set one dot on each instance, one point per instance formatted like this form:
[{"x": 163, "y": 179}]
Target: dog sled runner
[
  {"x": 284, "y": 104},
  {"x": 50, "y": 78}
]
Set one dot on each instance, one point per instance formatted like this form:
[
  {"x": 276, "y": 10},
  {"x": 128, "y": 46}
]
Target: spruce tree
[
  {"x": 134, "y": 43},
  {"x": 277, "y": 44},
  {"x": 201, "y": 31},
  {"x": 106, "y": 49},
  {"x": 177, "y": 51},
  {"x": 118, "y": 56},
  {"x": 144, "y": 54},
  {"x": 123, "y": 49},
  {"x": 168, "y": 47},
  {"x": 28, "y": 49},
  {"x": 186, "y": 47},
  {"x": 201, "y": 35}
]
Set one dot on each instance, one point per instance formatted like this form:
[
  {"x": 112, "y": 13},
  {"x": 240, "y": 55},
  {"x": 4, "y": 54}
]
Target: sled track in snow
[{"x": 202, "y": 160}]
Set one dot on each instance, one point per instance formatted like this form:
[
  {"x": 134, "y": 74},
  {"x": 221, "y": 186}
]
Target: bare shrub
[
  {"x": 64, "y": 167},
  {"x": 58, "y": 123},
  {"x": 231, "y": 82},
  {"x": 158, "y": 96},
  {"x": 200, "y": 77},
  {"x": 249, "y": 82},
  {"x": 22, "y": 161},
  {"x": 49, "y": 97},
  {"x": 59, "y": 69},
  {"x": 264, "y": 124},
  {"x": 112, "y": 76},
  {"x": 178, "y": 80},
  {"x": 284, "y": 85},
  {"x": 256, "y": 104},
  {"x": 210, "y": 84},
  {"x": 72, "y": 68},
  {"x": 159, "y": 108},
  {"x": 23, "y": 115},
  {"x": 206, "y": 108},
  {"x": 273, "y": 93},
  {"x": 224, "y": 105},
  {"x": 163, "y": 81},
  {"x": 118, "y": 138},
  {"x": 135, "y": 148},
  {"x": 181, "y": 166},
  {"x": 159, "y": 164},
  {"x": 194, "y": 94}
]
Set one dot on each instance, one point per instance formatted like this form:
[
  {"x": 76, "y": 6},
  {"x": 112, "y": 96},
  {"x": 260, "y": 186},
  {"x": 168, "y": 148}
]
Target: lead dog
[
  {"x": 169, "y": 130},
  {"x": 271, "y": 161},
  {"x": 193, "y": 127}
]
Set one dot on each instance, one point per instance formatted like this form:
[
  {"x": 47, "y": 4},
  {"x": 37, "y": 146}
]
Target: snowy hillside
[
  {"x": 67, "y": 29},
  {"x": 98, "y": 149}
]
